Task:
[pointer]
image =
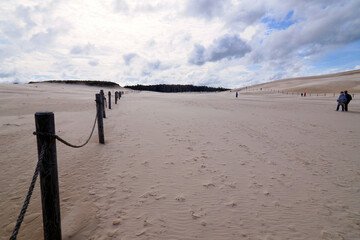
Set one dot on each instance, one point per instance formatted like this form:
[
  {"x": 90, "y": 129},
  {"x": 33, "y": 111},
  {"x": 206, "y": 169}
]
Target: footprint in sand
[
  {"x": 208, "y": 184},
  {"x": 116, "y": 222},
  {"x": 231, "y": 204},
  {"x": 180, "y": 198},
  {"x": 326, "y": 235}
]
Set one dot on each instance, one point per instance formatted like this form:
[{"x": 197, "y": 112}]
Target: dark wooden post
[
  {"x": 49, "y": 183},
  {"x": 119, "y": 95},
  {"x": 109, "y": 99},
  {"x": 103, "y": 102},
  {"x": 99, "y": 110},
  {"x": 116, "y": 97}
]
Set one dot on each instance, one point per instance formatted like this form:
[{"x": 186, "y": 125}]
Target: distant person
[
  {"x": 341, "y": 101},
  {"x": 348, "y": 99},
  {"x": 237, "y": 94}
]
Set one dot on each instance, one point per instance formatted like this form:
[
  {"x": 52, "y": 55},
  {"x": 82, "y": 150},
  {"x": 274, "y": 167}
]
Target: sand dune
[
  {"x": 187, "y": 166},
  {"x": 331, "y": 83}
]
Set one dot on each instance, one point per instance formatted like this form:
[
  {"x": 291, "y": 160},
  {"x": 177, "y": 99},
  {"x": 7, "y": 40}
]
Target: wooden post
[
  {"x": 49, "y": 183},
  {"x": 103, "y": 102},
  {"x": 109, "y": 99},
  {"x": 120, "y": 95},
  {"x": 100, "y": 121},
  {"x": 116, "y": 97}
]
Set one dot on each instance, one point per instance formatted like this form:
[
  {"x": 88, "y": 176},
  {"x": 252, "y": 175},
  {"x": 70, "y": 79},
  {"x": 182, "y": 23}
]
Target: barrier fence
[
  {"x": 303, "y": 94},
  {"x": 47, "y": 167}
]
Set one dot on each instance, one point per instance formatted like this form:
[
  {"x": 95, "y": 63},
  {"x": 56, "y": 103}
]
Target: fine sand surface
[
  {"x": 331, "y": 83},
  {"x": 186, "y": 165}
]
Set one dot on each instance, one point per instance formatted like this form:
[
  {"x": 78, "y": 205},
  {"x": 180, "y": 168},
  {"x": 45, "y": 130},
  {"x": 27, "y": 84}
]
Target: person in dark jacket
[
  {"x": 348, "y": 99},
  {"x": 341, "y": 101}
]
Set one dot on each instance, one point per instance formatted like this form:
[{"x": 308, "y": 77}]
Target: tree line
[
  {"x": 172, "y": 88},
  {"x": 94, "y": 83}
]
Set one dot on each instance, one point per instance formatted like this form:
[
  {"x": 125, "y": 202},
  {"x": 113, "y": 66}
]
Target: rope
[
  {"x": 27, "y": 199},
  {"x": 65, "y": 142},
  {"x": 36, "y": 173}
]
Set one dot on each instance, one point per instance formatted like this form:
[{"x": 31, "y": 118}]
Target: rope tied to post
[
  {"x": 65, "y": 142},
  {"x": 28, "y": 196}
]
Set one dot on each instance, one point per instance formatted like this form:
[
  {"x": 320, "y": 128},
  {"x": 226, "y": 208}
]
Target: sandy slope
[
  {"x": 187, "y": 166},
  {"x": 331, "y": 83}
]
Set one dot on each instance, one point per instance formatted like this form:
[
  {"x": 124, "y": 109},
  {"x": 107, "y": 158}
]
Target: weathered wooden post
[
  {"x": 49, "y": 184},
  {"x": 99, "y": 110},
  {"x": 116, "y": 97},
  {"x": 103, "y": 102},
  {"x": 109, "y": 99},
  {"x": 120, "y": 95}
]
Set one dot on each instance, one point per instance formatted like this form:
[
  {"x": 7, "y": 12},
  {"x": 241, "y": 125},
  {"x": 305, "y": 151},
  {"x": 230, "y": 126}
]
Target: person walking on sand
[
  {"x": 348, "y": 99},
  {"x": 237, "y": 94},
  {"x": 341, "y": 101}
]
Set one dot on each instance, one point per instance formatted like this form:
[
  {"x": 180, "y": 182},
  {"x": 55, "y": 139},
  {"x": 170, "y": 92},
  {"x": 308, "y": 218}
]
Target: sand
[
  {"x": 330, "y": 83},
  {"x": 186, "y": 165}
]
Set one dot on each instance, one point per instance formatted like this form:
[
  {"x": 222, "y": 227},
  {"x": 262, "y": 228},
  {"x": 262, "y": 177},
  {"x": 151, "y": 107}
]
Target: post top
[{"x": 43, "y": 113}]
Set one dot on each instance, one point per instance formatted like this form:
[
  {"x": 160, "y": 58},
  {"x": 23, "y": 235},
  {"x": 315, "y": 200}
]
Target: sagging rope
[
  {"x": 65, "y": 142},
  {"x": 28, "y": 196},
  {"x": 36, "y": 173}
]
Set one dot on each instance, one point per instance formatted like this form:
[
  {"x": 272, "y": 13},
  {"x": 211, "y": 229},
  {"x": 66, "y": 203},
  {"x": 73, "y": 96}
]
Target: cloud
[
  {"x": 244, "y": 14},
  {"x": 25, "y": 13},
  {"x": 150, "y": 67},
  {"x": 121, "y": 6},
  {"x": 7, "y": 74},
  {"x": 93, "y": 63},
  {"x": 228, "y": 46},
  {"x": 11, "y": 30},
  {"x": 308, "y": 33},
  {"x": 82, "y": 50},
  {"x": 128, "y": 58},
  {"x": 197, "y": 56},
  {"x": 43, "y": 39},
  {"x": 205, "y": 8}
]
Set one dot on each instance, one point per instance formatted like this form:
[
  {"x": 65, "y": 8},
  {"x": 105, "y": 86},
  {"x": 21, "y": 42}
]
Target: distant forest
[
  {"x": 94, "y": 83},
  {"x": 176, "y": 88}
]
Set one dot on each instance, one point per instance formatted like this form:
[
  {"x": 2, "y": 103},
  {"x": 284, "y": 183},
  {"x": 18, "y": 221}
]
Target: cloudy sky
[{"x": 229, "y": 43}]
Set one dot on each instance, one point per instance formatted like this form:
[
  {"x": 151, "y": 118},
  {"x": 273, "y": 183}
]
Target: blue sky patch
[
  {"x": 343, "y": 58},
  {"x": 273, "y": 23},
  {"x": 42, "y": 76},
  {"x": 253, "y": 67}
]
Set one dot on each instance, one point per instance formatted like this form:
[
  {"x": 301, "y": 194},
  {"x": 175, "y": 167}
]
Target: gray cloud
[
  {"x": 43, "y": 39},
  {"x": 128, "y": 58},
  {"x": 206, "y": 8},
  {"x": 153, "y": 66},
  {"x": 24, "y": 13},
  {"x": 82, "y": 50},
  {"x": 7, "y": 74},
  {"x": 228, "y": 46},
  {"x": 245, "y": 14},
  {"x": 93, "y": 63},
  {"x": 11, "y": 30},
  {"x": 121, "y": 6},
  {"x": 197, "y": 56}
]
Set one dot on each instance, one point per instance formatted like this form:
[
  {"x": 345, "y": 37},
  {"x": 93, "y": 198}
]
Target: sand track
[{"x": 191, "y": 166}]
